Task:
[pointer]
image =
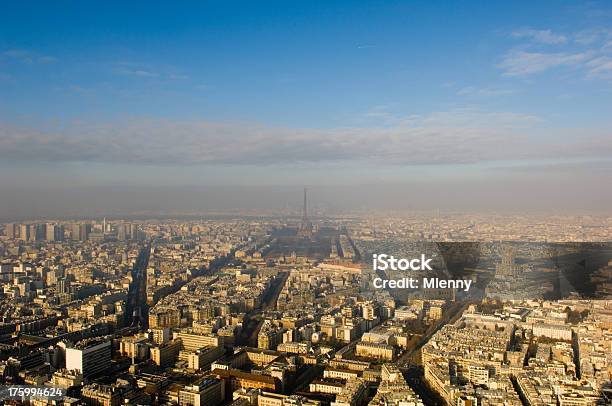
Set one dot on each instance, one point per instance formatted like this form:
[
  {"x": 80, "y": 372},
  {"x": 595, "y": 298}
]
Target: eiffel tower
[{"x": 305, "y": 229}]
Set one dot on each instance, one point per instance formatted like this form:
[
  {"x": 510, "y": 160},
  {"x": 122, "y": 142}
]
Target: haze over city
[{"x": 203, "y": 107}]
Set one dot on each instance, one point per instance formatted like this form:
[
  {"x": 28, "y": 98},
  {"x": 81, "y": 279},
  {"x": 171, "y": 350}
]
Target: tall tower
[
  {"x": 306, "y": 226},
  {"x": 305, "y": 215}
]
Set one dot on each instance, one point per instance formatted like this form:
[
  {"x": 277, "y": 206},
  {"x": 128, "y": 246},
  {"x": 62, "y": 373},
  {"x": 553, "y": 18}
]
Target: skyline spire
[{"x": 305, "y": 209}]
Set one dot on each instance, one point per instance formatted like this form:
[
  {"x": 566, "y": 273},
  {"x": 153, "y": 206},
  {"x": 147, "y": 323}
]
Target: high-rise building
[
  {"x": 127, "y": 232},
  {"x": 84, "y": 230},
  {"x": 80, "y": 231},
  {"x": 121, "y": 232},
  {"x": 133, "y": 231},
  {"x": 89, "y": 358},
  {"x": 59, "y": 232},
  {"x": 63, "y": 285},
  {"x": 24, "y": 232},
  {"x": 39, "y": 231},
  {"x": 51, "y": 232},
  {"x": 10, "y": 230},
  {"x": 74, "y": 232}
]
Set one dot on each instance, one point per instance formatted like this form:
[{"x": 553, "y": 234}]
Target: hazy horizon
[{"x": 124, "y": 201}]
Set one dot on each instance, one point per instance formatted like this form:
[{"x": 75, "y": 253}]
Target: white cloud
[
  {"x": 143, "y": 71},
  {"x": 128, "y": 69},
  {"x": 484, "y": 91},
  {"x": 600, "y": 67},
  {"x": 27, "y": 57},
  {"x": 521, "y": 63},
  {"x": 540, "y": 36},
  {"x": 450, "y": 137},
  {"x": 589, "y": 53},
  {"x": 177, "y": 76}
]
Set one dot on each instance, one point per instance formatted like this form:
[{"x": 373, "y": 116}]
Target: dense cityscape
[
  {"x": 306, "y": 203},
  {"x": 282, "y": 311}
]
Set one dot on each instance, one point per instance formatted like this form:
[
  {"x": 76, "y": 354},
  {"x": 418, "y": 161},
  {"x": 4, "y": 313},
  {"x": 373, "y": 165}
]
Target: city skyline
[{"x": 342, "y": 203}]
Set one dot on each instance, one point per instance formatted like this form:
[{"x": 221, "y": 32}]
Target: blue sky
[
  {"x": 310, "y": 64},
  {"x": 303, "y": 92}
]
